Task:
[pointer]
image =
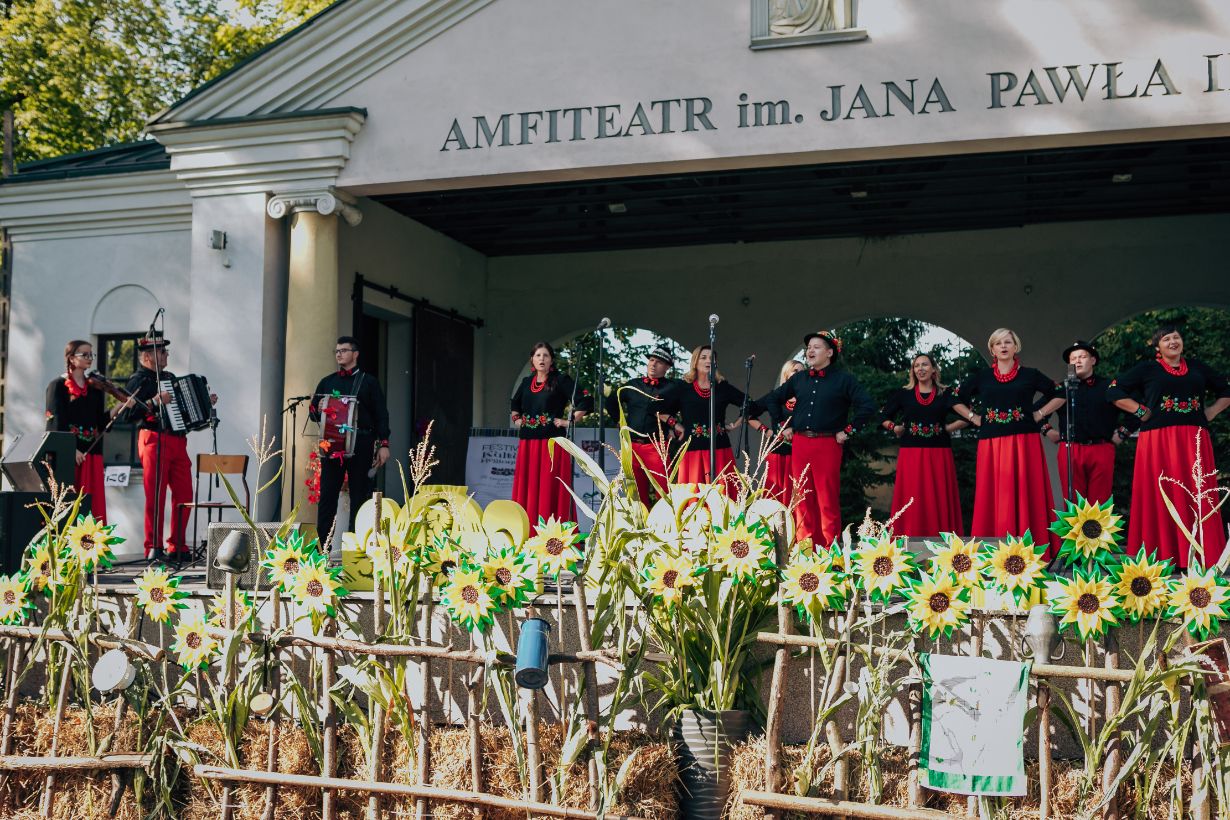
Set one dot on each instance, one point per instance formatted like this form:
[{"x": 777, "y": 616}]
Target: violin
[{"x": 118, "y": 393}]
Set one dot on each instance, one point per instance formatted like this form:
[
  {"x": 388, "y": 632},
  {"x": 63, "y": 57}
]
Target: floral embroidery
[
  {"x": 925, "y": 430},
  {"x": 701, "y": 431},
  {"x": 1171, "y": 404},
  {"x": 1003, "y": 416},
  {"x": 534, "y": 422},
  {"x": 83, "y": 433}
]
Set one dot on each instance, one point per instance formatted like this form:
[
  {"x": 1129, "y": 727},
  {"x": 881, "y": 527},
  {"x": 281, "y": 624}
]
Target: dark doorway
[{"x": 443, "y": 389}]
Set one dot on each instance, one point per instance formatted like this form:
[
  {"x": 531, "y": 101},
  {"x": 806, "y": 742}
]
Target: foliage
[{"x": 623, "y": 358}]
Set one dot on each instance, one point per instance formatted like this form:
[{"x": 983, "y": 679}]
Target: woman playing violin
[{"x": 76, "y": 405}]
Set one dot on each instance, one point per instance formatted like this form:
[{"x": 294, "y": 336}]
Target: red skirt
[
  {"x": 541, "y": 481},
  {"x": 1012, "y": 491},
  {"x": 90, "y": 480},
  {"x": 929, "y": 476},
  {"x": 1171, "y": 451},
  {"x": 777, "y": 477},
  {"x": 694, "y": 468}
]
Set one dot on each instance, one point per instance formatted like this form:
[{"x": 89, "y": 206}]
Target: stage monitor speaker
[
  {"x": 20, "y": 523},
  {"x": 216, "y": 578},
  {"x": 25, "y": 461}
]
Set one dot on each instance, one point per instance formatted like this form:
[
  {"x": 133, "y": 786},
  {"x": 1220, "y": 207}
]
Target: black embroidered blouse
[
  {"x": 924, "y": 423},
  {"x": 691, "y": 408},
  {"x": 1173, "y": 400},
  {"x": 642, "y": 399},
  {"x": 84, "y": 417},
  {"x": 1007, "y": 408},
  {"x": 538, "y": 409}
]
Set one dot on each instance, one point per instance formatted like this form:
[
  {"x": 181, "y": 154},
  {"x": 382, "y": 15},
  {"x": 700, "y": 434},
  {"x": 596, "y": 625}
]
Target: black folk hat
[
  {"x": 660, "y": 352},
  {"x": 151, "y": 342},
  {"x": 1080, "y": 344}
]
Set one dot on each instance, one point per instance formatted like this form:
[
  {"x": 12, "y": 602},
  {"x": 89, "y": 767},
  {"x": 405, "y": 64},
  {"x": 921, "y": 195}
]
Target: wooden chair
[{"x": 211, "y": 466}]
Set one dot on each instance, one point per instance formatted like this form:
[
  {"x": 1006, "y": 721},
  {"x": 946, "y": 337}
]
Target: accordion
[{"x": 189, "y": 408}]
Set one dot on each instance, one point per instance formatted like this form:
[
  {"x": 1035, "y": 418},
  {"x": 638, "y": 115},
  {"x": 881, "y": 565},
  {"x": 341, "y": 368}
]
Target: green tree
[{"x": 624, "y": 354}]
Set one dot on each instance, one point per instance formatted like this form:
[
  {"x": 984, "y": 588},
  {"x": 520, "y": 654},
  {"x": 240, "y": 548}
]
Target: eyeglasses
[
  {"x": 84, "y": 355},
  {"x": 343, "y": 350}
]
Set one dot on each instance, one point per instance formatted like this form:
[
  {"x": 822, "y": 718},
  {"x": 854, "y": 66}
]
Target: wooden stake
[
  {"x": 1044, "y": 750},
  {"x": 777, "y": 691},
  {"x": 377, "y": 748},
  {"x": 822, "y": 805},
  {"x": 275, "y": 685},
  {"x": 474, "y": 728},
  {"x": 914, "y": 696},
  {"x": 48, "y": 796},
  {"x": 121, "y": 709},
  {"x": 229, "y": 674},
  {"x": 592, "y": 709},
  {"x": 532, "y": 755},
  {"x": 423, "y": 746},
  {"x": 16, "y": 656},
  {"x": 1114, "y": 756},
  {"x": 975, "y": 651},
  {"x": 329, "y": 763}
]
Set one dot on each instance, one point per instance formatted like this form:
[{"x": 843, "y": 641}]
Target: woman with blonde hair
[
  {"x": 926, "y": 472},
  {"x": 1012, "y": 489}
]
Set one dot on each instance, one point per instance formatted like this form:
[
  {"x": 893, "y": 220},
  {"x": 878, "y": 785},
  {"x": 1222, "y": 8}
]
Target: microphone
[
  {"x": 1071, "y": 372},
  {"x": 750, "y": 360},
  {"x": 605, "y": 323},
  {"x": 713, "y": 319},
  {"x": 154, "y": 321}
]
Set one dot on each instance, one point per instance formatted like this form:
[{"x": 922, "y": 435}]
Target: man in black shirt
[
  {"x": 1096, "y": 430},
  {"x": 371, "y": 439},
  {"x": 641, "y": 400}
]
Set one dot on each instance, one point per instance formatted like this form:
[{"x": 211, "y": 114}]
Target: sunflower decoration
[
  {"x": 811, "y": 584},
  {"x": 42, "y": 568},
  {"x": 286, "y": 556},
  {"x": 15, "y": 603},
  {"x": 555, "y": 546},
  {"x": 937, "y": 602},
  {"x": 388, "y": 553},
  {"x": 442, "y": 558},
  {"x": 89, "y": 543},
  {"x": 879, "y": 566},
  {"x": 1086, "y": 602},
  {"x": 961, "y": 557},
  {"x": 1015, "y": 566},
  {"x": 1200, "y": 599},
  {"x": 317, "y": 588},
  {"x": 193, "y": 645},
  {"x": 742, "y": 551},
  {"x": 158, "y": 594},
  {"x": 512, "y": 575},
  {"x": 245, "y": 608},
  {"x": 1091, "y": 533},
  {"x": 1141, "y": 584},
  {"x": 470, "y": 599},
  {"x": 669, "y": 577}
]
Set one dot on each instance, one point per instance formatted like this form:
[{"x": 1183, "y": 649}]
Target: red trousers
[
  {"x": 818, "y": 515},
  {"x": 777, "y": 477},
  {"x": 176, "y": 473},
  {"x": 694, "y": 469},
  {"x": 541, "y": 481},
  {"x": 645, "y": 456},
  {"x": 90, "y": 480},
  {"x": 1093, "y": 471}
]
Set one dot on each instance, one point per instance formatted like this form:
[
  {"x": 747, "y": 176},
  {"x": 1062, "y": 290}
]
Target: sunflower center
[
  {"x": 962, "y": 562},
  {"x": 315, "y": 588},
  {"x": 10, "y": 597},
  {"x": 193, "y": 640},
  {"x": 882, "y": 566},
  {"x": 1141, "y": 586},
  {"x": 469, "y": 595},
  {"x": 503, "y": 575},
  {"x": 1088, "y": 603},
  {"x": 669, "y": 577},
  {"x": 44, "y": 568},
  {"x": 939, "y": 602},
  {"x": 1014, "y": 565},
  {"x": 1199, "y": 597},
  {"x": 394, "y": 554},
  {"x": 157, "y": 595},
  {"x": 740, "y": 549},
  {"x": 448, "y": 566},
  {"x": 555, "y": 546},
  {"x": 290, "y": 566},
  {"x": 809, "y": 582},
  {"x": 87, "y": 542},
  {"x": 1091, "y": 529}
]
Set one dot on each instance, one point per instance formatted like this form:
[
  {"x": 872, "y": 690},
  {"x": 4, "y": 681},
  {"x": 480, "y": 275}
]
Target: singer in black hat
[
  {"x": 1097, "y": 427},
  {"x": 639, "y": 400}
]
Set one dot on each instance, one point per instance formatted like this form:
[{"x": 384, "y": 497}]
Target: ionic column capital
[{"x": 322, "y": 202}]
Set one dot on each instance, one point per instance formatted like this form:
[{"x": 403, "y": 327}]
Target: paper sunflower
[
  {"x": 1015, "y": 566},
  {"x": 937, "y": 603},
  {"x": 317, "y": 588},
  {"x": 286, "y": 556},
  {"x": 158, "y": 594},
  {"x": 879, "y": 567},
  {"x": 811, "y": 585},
  {"x": 669, "y": 577},
  {"x": 1140, "y": 583},
  {"x": 1090, "y": 533},
  {"x": 1086, "y": 602},
  {"x": 389, "y": 556},
  {"x": 962, "y": 558},
  {"x": 741, "y": 551},
  {"x": 468, "y": 598},
  {"x": 193, "y": 646},
  {"x": 15, "y": 603},
  {"x": 244, "y": 607},
  {"x": 512, "y": 575},
  {"x": 89, "y": 543},
  {"x": 554, "y": 546},
  {"x": 42, "y": 567},
  {"x": 1200, "y": 599},
  {"x": 441, "y": 559}
]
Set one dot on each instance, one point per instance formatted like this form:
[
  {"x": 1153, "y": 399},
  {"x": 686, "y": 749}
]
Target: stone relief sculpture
[{"x": 788, "y": 17}]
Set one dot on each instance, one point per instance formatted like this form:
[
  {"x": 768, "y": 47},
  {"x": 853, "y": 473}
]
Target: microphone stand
[
  {"x": 598, "y": 403},
  {"x": 712, "y": 402},
  {"x": 747, "y": 389},
  {"x": 159, "y": 496},
  {"x": 292, "y": 407},
  {"x": 1069, "y": 423},
  {"x": 572, "y": 401}
]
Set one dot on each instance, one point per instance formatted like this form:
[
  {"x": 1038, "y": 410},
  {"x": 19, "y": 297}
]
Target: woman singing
[
  {"x": 689, "y": 404},
  {"x": 926, "y": 472},
  {"x": 1168, "y": 395},
  {"x": 75, "y": 406},
  {"x": 777, "y": 465},
  {"x": 1012, "y": 491},
  {"x": 541, "y": 480}
]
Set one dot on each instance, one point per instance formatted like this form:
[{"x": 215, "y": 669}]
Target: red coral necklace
[
  {"x": 1004, "y": 378},
  {"x": 537, "y": 386},
  {"x": 1181, "y": 370},
  {"x": 918, "y": 396}
]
